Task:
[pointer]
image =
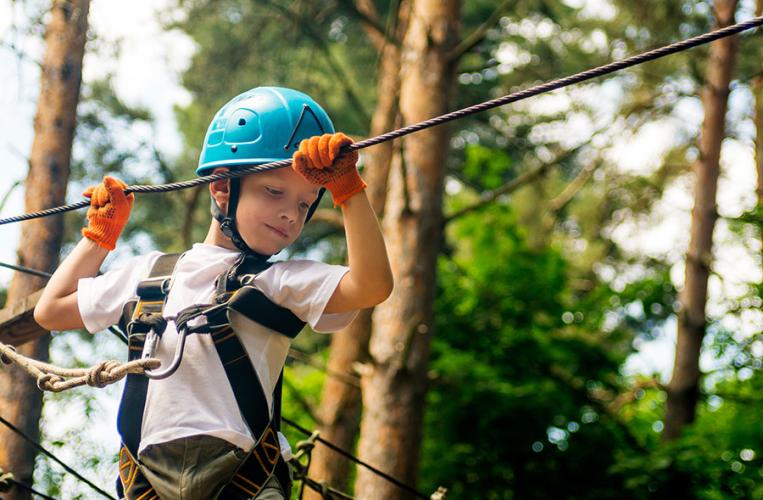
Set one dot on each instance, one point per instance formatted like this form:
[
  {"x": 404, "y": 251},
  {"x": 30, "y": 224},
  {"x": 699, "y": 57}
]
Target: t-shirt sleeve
[
  {"x": 100, "y": 299},
  {"x": 305, "y": 287}
]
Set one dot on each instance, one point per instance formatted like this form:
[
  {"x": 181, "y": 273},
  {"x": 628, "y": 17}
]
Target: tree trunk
[
  {"x": 340, "y": 402},
  {"x": 394, "y": 381},
  {"x": 54, "y": 124},
  {"x": 757, "y": 90},
  {"x": 683, "y": 389}
]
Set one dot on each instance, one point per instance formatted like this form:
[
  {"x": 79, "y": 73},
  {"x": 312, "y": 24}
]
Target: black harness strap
[
  {"x": 252, "y": 304},
  {"x": 151, "y": 300}
]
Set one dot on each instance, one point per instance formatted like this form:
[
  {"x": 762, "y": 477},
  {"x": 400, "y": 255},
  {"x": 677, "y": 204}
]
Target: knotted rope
[{"x": 56, "y": 379}]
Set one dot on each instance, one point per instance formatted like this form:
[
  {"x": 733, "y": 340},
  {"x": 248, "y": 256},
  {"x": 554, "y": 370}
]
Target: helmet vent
[
  {"x": 234, "y": 148},
  {"x": 241, "y": 122}
]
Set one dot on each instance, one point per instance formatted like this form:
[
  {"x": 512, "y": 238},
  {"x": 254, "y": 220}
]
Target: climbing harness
[
  {"x": 454, "y": 115},
  {"x": 144, "y": 322},
  {"x": 314, "y": 437}
]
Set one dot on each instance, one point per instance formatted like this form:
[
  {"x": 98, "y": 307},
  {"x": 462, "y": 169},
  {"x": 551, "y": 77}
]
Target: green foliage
[
  {"x": 515, "y": 363},
  {"x": 538, "y": 308}
]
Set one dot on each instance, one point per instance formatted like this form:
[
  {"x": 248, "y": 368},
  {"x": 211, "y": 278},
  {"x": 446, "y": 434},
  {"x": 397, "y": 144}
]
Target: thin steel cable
[
  {"x": 358, "y": 461},
  {"x": 40, "y": 448},
  {"x": 31, "y": 490},
  {"x": 454, "y": 115},
  {"x": 42, "y": 274}
]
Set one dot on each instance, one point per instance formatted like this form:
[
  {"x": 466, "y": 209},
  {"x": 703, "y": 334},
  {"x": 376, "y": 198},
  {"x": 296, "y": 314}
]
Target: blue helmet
[{"x": 262, "y": 125}]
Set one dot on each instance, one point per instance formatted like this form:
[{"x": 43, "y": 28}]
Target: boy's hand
[
  {"x": 108, "y": 213},
  {"x": 315, "y": 160}
]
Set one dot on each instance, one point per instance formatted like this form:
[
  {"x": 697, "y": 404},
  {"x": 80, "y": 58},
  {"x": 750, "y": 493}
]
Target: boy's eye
[
  {"x": 273, "y": 191},
  {"x": 304, "y": 205}
]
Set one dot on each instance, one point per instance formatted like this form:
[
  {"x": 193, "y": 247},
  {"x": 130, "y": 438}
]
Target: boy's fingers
[
  {"x": 338, "y": 141},
  {"x": 313, "y": 154},
  {"x": 298, "y": 160},
  {"x": 100, "y": 196},
  {"x": 323, "y": 149}
]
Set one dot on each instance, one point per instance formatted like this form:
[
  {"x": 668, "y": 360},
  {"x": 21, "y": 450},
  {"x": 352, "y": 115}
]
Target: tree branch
[
  {"x": 476, "y": 36},
  {"x": 349, "y": 379},
  {"x": 572, "y": 189},
  {"x": 490, "y": 196},
  {"x": 577, "y": 384},
  {"x": 8, "y": 193},
  {"x": 343, "y": 78},
  {"x": 20, "y": 55},
  {"x": 366, "y": 12},
  {"x": 301, "y": 401}
]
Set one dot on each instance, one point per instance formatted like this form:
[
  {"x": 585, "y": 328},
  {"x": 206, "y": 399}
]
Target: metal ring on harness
[
  {"x": 183, "y": 329},
  {"x": 179, "y": 347}
]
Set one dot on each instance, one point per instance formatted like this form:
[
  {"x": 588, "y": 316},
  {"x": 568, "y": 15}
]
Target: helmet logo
[{"x": 305, "y": 109}]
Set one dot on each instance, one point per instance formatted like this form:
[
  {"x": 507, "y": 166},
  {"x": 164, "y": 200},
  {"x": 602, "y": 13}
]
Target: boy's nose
[{"x": 289, "y": 213}]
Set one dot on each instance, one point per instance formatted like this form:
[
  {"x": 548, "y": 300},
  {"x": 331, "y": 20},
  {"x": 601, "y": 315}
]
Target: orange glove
[
  {"x": 315, "y": 160},
  {"x": 108, "y": 213}
]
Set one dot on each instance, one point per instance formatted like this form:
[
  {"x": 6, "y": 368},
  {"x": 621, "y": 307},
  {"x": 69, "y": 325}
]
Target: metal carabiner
[{"x": 179, "y": 347}]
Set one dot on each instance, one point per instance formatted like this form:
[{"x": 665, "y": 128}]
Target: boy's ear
[{"x": 220, "y": 192}]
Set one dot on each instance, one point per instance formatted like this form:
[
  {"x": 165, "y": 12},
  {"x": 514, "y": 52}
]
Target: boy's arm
[
  {"x": 109, "y": 210},
  {"x": 369, "y": 281},
  {"x": 57, "y": 308}
]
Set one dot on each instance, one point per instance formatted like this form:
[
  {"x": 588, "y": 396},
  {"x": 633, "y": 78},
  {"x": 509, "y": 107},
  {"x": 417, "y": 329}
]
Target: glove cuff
[
  {"x": 105, "y": 236},
  {"x": 345, "y": 187}
]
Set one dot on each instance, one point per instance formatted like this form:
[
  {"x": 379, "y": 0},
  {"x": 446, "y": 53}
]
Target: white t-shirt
[{"x": 197, "y": 398}]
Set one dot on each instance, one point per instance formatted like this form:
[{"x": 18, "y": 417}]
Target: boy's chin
[{"x": 264, "y": 250}]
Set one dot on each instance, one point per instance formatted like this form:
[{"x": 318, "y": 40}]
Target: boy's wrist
[
  {"x": 94, "y": 245},
  {"x": 346, "y": 186}
]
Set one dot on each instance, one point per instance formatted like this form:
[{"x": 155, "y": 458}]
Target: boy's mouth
[{"x": 278, "y": 231}]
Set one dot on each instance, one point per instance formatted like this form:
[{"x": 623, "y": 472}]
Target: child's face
[{"x": 272, "y": 208}]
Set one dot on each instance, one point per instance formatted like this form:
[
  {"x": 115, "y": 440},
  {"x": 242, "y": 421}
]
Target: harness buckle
[{"x": 247, "y": 279}]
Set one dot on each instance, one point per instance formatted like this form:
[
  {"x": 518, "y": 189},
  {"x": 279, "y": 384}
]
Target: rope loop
[
  {"x": 96, "y": 376},
  {"x": 306, "y": 447},
  {"x": 6, "y": 481},
  {"x": 5, "y": 359},
  {"x": 48, "y": 382}
]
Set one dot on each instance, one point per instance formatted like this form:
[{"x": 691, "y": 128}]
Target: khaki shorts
[{"x": 196, "y": 468}]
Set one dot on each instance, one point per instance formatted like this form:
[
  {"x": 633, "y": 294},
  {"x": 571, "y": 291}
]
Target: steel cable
[
  {"x": 439, "y": 120},
  {"x": 40, "y": 448},
  {"x": 358, "y": 461}
]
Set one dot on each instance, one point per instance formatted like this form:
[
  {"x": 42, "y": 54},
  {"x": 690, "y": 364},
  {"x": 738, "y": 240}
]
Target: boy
[{"x": 201, "y": 432}]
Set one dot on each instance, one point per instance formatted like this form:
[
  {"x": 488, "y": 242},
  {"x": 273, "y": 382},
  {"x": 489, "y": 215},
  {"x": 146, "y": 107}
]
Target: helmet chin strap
[{"x": 228, "y": 221}]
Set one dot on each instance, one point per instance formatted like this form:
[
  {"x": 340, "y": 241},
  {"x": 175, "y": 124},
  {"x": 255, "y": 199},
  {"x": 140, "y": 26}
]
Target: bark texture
[
  {"x": 340, "y": 408},
  {"x": 394, "y": 381},
  {"x": 54, "y": 124},
  {"x": 683, "y": 388},
  {"x": 757, "y": 90}
]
